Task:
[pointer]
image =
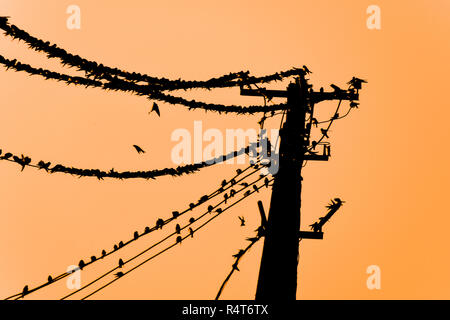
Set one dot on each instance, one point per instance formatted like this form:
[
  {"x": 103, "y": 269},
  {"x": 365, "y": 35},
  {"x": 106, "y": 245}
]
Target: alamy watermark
[{"x": 210, "y": 145}]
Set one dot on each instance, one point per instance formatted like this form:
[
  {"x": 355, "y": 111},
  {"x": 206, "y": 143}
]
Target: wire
[
  {"x": 92, "y": 68},
  {"x": 25, "y": 161},
  {"x": 117, "y": 84},
  {"x": 148, "y": 231},
  {"x": 234, "y": 267},
  {"x": 167, "y": 248}
]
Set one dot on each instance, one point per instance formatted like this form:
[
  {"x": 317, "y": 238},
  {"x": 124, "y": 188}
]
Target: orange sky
[{"x": 389, "y": 158}]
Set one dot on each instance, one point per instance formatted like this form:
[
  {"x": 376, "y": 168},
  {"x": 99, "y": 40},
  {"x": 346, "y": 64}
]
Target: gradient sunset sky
[{"x": 389, "y": 158}]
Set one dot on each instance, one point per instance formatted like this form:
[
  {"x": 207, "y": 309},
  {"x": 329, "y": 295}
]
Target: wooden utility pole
[{"x": 278, "y": 271}]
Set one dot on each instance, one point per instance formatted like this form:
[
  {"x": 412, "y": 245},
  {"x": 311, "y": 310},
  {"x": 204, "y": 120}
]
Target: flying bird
[
  {"x": 155, "y": 108},
  {"x": 242, "y": 219},
  {"x": 138, "y": 149}
]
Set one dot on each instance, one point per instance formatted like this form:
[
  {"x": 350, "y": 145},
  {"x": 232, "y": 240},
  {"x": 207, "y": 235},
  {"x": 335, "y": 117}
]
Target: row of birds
[{"x": 161, "y": 222}]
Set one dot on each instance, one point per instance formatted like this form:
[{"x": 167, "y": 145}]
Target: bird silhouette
[
  {"x": 225, "y": 196},
  {"x": 119, "y": 274},
  {"x": 354, "y": 104},
  {"x": 50, "y": 279},
  {"x": 191, "y": 206},
  {"x": 255, "y": 188},
  {"x": 356, "y": 83},
  {"x": 219, "y": 210},
  {"x": 191, "y": 220},
  {"x": 247, "y": 193},
  {"x": 324, "y": 132},
  {"x": 178, "y": 229},
  {"x": 155, "y": 108},
  {"x": 242, "y": 219},
  {"x": 115, "y": 247},
  {"x": 210, "y": 208},
  {"x": 81, "y": 264},
  {"x": 25, "y": 291},
  {"x": 175, "y": 214},
  {"x": 245, "y": 184},
  {"x": 93, "y": 258},
  {"x": 159, "y": 223},
  {"x": 306, "y": 70},
  {"x": 103, "y": 253},
  {"x": 224, "y": 183},
  {"x": 147, "y": 229},
  {"x": 120, "y": 244},
  {"x": 266, "y": 182},
  {"x": 233, "y": 182},
  {"x": 138, "y": 149},
  {"x": 7, "y": 156},
  {"x": 179, "y": 239},
  {"x": 232, "y": 193},
  {"x": 316, "y": 227},
  {"x": 121, "y": 263},
  {"x": 238, "y": 171},
  {"x": 136, "y": 235},
  {"x": 191, "y": 232},
  {"x": 315, "y": 122}
]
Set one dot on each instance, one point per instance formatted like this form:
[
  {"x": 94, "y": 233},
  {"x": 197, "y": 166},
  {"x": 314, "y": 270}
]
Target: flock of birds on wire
[{"x": 108, "y": 78}]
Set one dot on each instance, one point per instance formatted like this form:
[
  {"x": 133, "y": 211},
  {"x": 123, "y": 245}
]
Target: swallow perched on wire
[
  {"x": 210, "y": 208},
  {"x": 81, "y": 264},
  {"x": 191, "y": 232},
  {"x": 242, "y": 219},
  {"x": 119, "y": 274},
  {"x": 155, "y": 108},
  {"x": 121, "y": 263},
  {"x": 25, "y": 291},
  {"x": 138, "y": 149},
  {"x": 225, "y": 196},
  {"x": 244, "y": 184},
  {"x": 324, "y": 132},
  {"x": 147, "y": 230},
  {"x": 179, "y": 239},
  {"x": 178, "y": 229},
  {"x": 93, "y": 258},
  {"x": 103, "y": 253},
  {"x": 50, "y": 279},
  {"x": 191, "y": 220},
  {"x": 255, "y": 188},
  {"x": 266, "y": 182},
  {"x": 136, "y": 235}
]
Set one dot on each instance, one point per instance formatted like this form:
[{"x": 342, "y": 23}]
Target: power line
[
  {"x": 100, "y": 71},
  {"x": 167, "y": 248},
  {"x": 117, "y": 84},
  {"x": 25, "y": 161},
  {"x": 159, "y": 225}
]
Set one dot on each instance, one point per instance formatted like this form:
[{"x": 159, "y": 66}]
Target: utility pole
[{"x": 278, "y": 270}]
